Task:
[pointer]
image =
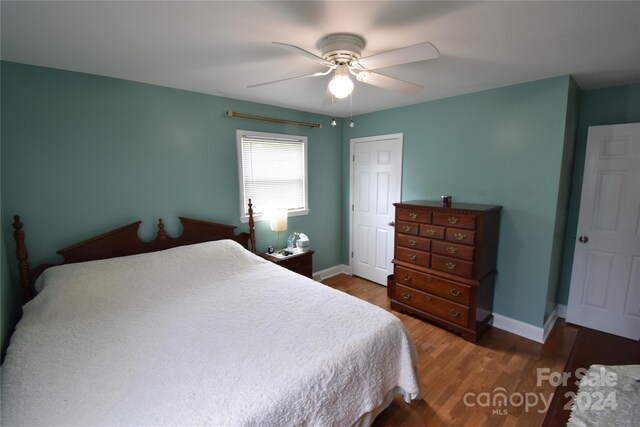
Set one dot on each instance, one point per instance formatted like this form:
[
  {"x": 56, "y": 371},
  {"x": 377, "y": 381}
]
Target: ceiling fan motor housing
[{"x": 341, "y": 48}]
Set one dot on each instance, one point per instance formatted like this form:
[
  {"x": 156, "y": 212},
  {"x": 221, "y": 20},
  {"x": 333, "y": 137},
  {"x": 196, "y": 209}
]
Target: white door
[
  {"x": 605, "y": 283},
  {"x": 376, "y": 176}
]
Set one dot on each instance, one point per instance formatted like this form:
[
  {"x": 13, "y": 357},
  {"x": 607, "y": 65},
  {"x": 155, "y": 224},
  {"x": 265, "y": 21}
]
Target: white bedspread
[{"x": 206, "y": 334}]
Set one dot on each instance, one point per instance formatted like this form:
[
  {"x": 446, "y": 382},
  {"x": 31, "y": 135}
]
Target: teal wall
[
  {"x": 564, "y": 189},
  {"x": 82, "y": 154},
  {"x": 614, "y": 105},
  {"x": 503, "y": 146},
  {"x": 9, "y": 298}
]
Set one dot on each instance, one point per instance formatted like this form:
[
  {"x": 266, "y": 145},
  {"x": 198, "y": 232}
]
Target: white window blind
[{"x": 273, "y": 172}]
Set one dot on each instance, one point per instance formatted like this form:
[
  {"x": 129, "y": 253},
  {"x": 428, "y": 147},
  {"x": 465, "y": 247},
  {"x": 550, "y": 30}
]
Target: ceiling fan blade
[
  {"x": 404, "y": 55},
  {"x": 301, "y": 51},
  {"x": 390, "y": 83},
  {"x": 319, "y": 73}
]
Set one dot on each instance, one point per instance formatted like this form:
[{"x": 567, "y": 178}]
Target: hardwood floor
[{"x": 454, "y": 371}]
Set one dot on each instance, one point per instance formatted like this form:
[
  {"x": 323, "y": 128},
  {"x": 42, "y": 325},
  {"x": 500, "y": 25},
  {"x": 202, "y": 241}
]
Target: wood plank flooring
[{"x": 451, "y": 368}]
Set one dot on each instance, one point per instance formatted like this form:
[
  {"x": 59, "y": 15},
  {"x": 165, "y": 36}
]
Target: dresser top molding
[{"x": 455, "y": 207}]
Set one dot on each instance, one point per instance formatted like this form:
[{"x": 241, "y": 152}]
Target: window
[{"x": 273, "y": 173}]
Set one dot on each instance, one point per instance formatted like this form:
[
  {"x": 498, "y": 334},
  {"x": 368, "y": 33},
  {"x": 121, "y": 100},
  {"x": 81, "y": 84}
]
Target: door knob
[
  {"x": 583, "y": 239},
  {"x": 392, "y": 223}
]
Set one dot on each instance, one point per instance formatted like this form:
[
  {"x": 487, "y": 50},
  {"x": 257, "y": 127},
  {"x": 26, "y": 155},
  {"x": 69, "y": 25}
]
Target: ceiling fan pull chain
[
  {"x": 351, "y": 124},
  {"x": 333, "y": 117}
]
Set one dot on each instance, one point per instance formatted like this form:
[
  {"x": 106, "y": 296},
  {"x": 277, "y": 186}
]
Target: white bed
[{"x": 205, "y": 334}]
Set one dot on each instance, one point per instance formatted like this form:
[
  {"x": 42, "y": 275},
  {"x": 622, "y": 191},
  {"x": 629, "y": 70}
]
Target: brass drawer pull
[
  {"x": 459, "y": 236},
  {"x": 429, "y": 278},
  {"x": 454, "y": 292},
  {"x": 406, "y": 295},
  {"x": 413, "y": 215},
  {"x": 412, "y": 242},
  {"x": 454, "y": 312},
  {"x": 428, "y": 297},
  {"x": 406, "y": 277},
  {"x": 450, "y": 265},
  {"x": 406, "y": 227},
  {"x": 452, "y": 250},
  {"x": 453, "y": 219},
  {"x": 412, "y": 257},
  {"x": 431, "y": 232}
]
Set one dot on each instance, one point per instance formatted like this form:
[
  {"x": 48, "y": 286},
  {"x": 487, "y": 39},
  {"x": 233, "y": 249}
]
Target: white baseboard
[
  {"x": 331, "y": 271},
  {"x": 525, "y": 330},
  {"x": 548, "y": 325},
  {"x": 534, "y": 333},
  {"x": 562, "y": 311}
]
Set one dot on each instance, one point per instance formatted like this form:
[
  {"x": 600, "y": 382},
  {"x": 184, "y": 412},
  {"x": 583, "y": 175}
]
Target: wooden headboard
[{"x": 124, "y": 241}]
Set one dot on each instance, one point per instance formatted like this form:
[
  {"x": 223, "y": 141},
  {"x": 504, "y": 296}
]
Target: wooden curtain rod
[{"x": 231, "y": 114}]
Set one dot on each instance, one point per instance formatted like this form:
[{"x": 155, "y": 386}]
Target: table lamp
[{"x": 279, "y": 223}]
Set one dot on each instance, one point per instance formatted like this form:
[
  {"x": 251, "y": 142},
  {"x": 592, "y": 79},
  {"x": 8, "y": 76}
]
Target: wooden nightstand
[{"x": 301, "y": 263}]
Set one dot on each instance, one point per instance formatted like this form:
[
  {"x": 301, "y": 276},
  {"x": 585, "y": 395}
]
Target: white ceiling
[{"x": 222, "y": 47}]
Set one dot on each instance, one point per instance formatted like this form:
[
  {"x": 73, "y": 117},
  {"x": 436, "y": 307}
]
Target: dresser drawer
[
  {"x": 407, "y": 227},
  {"x": 413, "y": 256},
  {"x": 419, "y": 243},
  {"x": 432, "y": 304},
  {"x": 453, "y": 250},
  {"x": 403, "y": 214},
  {"x": 455, "y": 220},
  {"x": 460, "y": 236},
  {"x": 452, "y": 266},
  {"x": 452, "y": 291},
  {"x": 432, "y": 231}
]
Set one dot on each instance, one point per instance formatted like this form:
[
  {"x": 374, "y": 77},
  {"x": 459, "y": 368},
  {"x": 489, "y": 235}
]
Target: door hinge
[
  {"x": 353, "y": 208},
  {"x": 351, "y": 254},
  {"x": 354, "y": 158}
]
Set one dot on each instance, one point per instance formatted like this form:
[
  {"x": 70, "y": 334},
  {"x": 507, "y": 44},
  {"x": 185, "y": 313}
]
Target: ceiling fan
[{"x": 341, "y": 55}]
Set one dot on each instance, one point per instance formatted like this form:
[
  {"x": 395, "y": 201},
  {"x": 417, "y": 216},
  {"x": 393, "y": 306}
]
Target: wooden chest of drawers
[{"x": 445, "y": 260}]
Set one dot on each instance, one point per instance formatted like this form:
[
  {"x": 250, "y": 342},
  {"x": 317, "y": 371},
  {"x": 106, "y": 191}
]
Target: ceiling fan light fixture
[
  {"x": 341, "y": 85},
  {"x": 342, "y": 55}
]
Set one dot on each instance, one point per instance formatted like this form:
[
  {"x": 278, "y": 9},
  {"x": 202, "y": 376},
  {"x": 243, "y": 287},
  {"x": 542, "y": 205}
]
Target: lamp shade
[{"x": 279, "y": 220}]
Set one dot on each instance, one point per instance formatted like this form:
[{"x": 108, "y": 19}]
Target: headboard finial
[
  {"x": 16, "y": 223},
  {"x": 23, "y": 257},
  {"x": 162, "y": 233},
  {"x": 252, "y": 231}
]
